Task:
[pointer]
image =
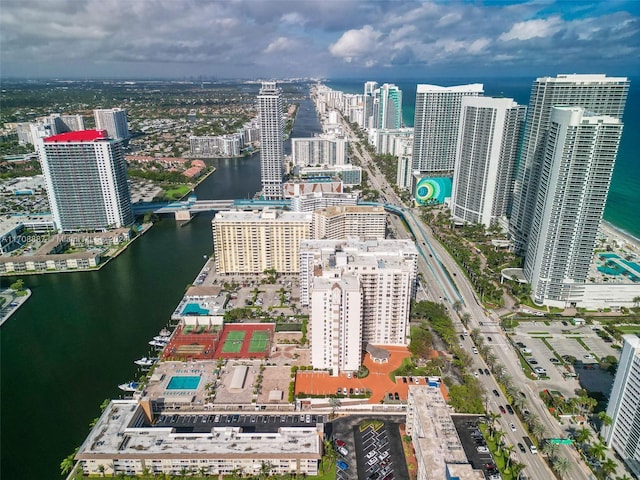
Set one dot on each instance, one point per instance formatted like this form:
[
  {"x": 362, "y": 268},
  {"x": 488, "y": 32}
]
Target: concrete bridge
[{"x": 184, "y": 209}]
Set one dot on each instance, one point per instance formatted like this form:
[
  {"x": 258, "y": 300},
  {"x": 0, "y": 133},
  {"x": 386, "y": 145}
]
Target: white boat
[
  {"x": 165, "y": 333},
  {"x": 129, "y": 387},
  {"x": 145, "y": 361},
  {"x": 159, "y": 338},
  {"x": 156, "y": 343}
]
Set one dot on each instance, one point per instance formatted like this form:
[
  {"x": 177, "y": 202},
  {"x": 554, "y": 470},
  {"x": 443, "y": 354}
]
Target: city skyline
[{"x": 285, "y": 39}]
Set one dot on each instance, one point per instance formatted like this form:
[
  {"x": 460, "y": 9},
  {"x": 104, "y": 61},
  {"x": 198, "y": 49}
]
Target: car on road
[
  {"x": 495, "y": 392},
  {"x": 588, "y": 356},
  {"x": 474, "y": 350},
  {"x": 512, "y": 426},
  {"x": 509, "y": 409},
  {"x": 482, "y": 449},
  {"x": 502, "y": 410},
  {"x": 487, "y": 372},
  {"x": 522, "y": 448},
  {"x": 533, "y": 361},
  {"x": 480, "y": 371},
  {"x": 489, "y": 339}
]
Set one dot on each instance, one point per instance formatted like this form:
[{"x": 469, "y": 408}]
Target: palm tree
[
  {"x": 561, "y": 465},
  {"x": 583, "y": 435},
  {"x": 516, "y": 468},
  {"x": 334, "y": 403},
  {"x": 265, "y": 469},
  {"x": 457, "y": 306},
  {"x": 608, "y": 467},
  {"x": 493, "y": 417},
  {"x": 67, "y": 464},
  {"x": 491, "y": 358},
  {"x": 624, "y": 477},
  {"x": 551, "y": 450},
  {"x": 465, "y": 318},
  {"x": 538, "y": 430},
  {"x": 636, "y": 301},
  {"x": 605, "y": 419},
  {"x": 597, "y": 450},
  {"x": 101, "y": 470},
  {"x": 497, "y": 437},
  {"x": 508, "y": 450}
]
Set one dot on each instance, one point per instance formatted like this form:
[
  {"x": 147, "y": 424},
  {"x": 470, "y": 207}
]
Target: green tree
[
  {"x": 67, "y": 464},
  {"x": 561, "y": 466},
  {"x": 597, "y": 450},
  {"x": 636, "y": 301},
  {"x": 583, "y": 435},
  {"x": 17, "y": 286},
  {"x": 608, "y": 467},
  {"x": 605, "y": 419},
  {"x": 551, "y": 450}
]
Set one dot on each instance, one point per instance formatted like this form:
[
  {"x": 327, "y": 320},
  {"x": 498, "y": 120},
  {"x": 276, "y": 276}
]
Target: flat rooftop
[{"x": 124, "y": 431}]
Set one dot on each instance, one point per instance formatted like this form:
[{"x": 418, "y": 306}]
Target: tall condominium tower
[
  {"x": 436, "y": 126},
  {"x": 624, "y": 406},
  {"x": 114, "y": 121},
  {"x": 86, "y": 177},
  {"x": 388, "y": 99},
  {"x": 580, "y": 153},
  {"x": 369, "y": 89},
  {"x": 271, "y": 150},
  {"x": 488, "y": 144},
  {"x": 596, "y": 93}
]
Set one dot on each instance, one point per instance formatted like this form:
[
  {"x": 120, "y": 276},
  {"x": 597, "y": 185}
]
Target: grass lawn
[
  {"x": 177, "y": 192},
  {"x": 629, "y": 328}
]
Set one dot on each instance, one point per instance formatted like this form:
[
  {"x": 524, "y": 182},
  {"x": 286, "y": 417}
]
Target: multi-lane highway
[{"x": 445, "y": 282}]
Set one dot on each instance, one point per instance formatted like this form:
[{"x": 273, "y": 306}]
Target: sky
[{"x": 186, "y": 39}]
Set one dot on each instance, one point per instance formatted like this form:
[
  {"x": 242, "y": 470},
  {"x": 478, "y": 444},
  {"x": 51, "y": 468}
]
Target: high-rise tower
[
  {"x": 575, "y": 174},
  {"x": 86, "y": 177},
  {"x": 369, "y": 89},
  {"x": 436, "y": 126},
  {"x": 624, "y": 406},
  {"x": 271, "y": 148},
  {"x": 596, "y": 93},
  {"x": 488, "y": 145},
  {"x": 389, "y": 107},
  {"x": 114, "y": 121}
]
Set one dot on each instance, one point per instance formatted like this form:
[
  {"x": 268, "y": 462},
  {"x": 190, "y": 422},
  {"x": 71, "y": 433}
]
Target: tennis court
[
  {"x": 233, "y": 342},
  {"x": 259, "y": 341}
]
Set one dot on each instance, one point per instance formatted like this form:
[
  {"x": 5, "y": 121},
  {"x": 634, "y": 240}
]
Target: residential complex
[
  {"x": 86, "y": 179},
  {"x": 487, "y": 154},
  {"x": 319, "y": 151},
  {"x": 114, "y": 121},
  {"x": 252, "y": 242},
  {"x": 623, "y": 435},
  {"x": 361, "y": 221},
  {"x": 435, "y": 126},
  {"x": 438, "y": 447},
  {"x": 217, "y": 146},
  {"x": 314, "y": 201},
  {"x": 348, "y": 174},
  {"x": 386, "y": 272},
  {"x": 578, "y": 161},
  {"x": 598, "y": 94},
  {"x": 126, "y": 441},
  {"x": 271, "y": 147}
]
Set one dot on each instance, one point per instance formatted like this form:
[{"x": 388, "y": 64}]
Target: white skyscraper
[
  {"x": 624, "y": 406},
  {"x": 114, "y": 121},
  {"x": 86, "y": 178},
  {"x": 436, "y": 126},
  {"x": 388, "y": 107},
  {"x": 596, "y": 93},
  {"x": 578, "y": 161},
  {"x": 271, "y": 147},
  {"x": 488, "y": 142},
  {"x": 369, "y": 89}
]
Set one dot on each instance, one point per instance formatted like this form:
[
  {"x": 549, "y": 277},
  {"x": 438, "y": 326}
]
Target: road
[{"x": 445, "y": 282}]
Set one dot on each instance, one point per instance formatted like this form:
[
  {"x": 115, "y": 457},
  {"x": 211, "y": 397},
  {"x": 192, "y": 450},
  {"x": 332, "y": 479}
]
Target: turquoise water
[
  {"x": 618, "y": 266},
  {"x": 183, "y": 383},
  {"x": 194, "y": 309},
  {"x": 624, "y": 193}
]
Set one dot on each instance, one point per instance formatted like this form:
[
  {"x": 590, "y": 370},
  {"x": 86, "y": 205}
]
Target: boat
[
  {"x": 158, "y": 344},
  {"x": 129, "y": 387},
  {"x": 159, "y": 338},
  {"x": 145, "y": 361},
  {"x": 165, "y": 333}
]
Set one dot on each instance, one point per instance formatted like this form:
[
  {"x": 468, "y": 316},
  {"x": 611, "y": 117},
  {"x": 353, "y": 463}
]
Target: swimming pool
[
  {"x": 183, "y": 383},
  {"x": 194, "y": 309},
  {"x": 614, "y": 265}
]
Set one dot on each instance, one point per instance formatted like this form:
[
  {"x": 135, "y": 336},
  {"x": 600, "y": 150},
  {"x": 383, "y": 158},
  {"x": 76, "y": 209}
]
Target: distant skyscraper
[
  {"x": 488, "y": 145},
  {"x": 599, "y": 94},
  {"x": 114, "y": 121},
  {"x": 271, "y": 148},
  {"x": 388, "y": 99},
  {"x": 86, "y": 177},
  {"x": 575, "y": 174},
  {"x": 369, "y": 89},
  {"x": 436, "y": 126},
  {"x": 624, "y": 406}
]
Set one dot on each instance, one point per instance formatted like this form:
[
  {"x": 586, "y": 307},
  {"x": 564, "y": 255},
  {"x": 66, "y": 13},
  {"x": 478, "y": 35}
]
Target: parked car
[
  {"x": 340, "y": 443},
  {"x": 342, "y": 465}
]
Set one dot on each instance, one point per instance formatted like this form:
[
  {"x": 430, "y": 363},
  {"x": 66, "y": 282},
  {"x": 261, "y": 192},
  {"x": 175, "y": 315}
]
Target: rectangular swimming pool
[
  {"x": 194, "y": 309},
  {"x": 183, "y": 383}
]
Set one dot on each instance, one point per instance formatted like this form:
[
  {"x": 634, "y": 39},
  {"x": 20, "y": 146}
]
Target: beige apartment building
[
  {"x": 346, "y": 221},
  {"x": 252, "y": 242}
]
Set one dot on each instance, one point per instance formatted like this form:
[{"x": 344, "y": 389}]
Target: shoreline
[{"x": 615, "y": 233}]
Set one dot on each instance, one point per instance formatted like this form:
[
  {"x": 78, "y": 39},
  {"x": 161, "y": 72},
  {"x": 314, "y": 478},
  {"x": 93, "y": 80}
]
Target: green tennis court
[
  {"x": 259, "y": 341},
  {"x": 233, "y": 342}
]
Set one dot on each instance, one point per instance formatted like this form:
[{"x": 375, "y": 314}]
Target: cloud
[
  {"x": 354, "y": 44},
  {"x": 532, "y": 28},
  {"x": 278, "y": 38}
]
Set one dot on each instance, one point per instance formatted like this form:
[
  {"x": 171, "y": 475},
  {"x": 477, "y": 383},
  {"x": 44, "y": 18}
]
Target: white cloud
[
  {"x": 533, "y": 28},
  {"x": 356, "y": 43},
  {"x": 280, "y": 44}
]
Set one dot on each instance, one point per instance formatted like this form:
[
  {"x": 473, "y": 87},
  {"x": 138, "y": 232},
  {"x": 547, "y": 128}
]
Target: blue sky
[{"x": 329, "y": 38}]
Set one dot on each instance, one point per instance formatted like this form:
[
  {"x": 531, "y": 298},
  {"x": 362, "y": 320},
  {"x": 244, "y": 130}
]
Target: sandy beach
[{"x": 611, "y": 232}]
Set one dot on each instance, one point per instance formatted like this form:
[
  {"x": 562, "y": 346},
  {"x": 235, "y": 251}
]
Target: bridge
[{"x": 184, "y": 209}]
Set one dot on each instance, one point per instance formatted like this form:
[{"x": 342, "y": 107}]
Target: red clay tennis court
[
  {"x": 188, "y": 343},
  {"x": 245, "y": 340}
]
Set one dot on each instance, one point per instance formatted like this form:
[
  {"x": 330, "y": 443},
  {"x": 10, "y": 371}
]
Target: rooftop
[{"x": 79, "y": 136}]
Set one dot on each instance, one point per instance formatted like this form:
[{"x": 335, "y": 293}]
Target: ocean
[{"x": 624, "y": 193}]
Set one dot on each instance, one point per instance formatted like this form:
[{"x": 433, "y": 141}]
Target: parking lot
[
  {"x": 249, "y": 422},
  {"x": 371, "y": 448},
  {"x": 474, "y": 444}
]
